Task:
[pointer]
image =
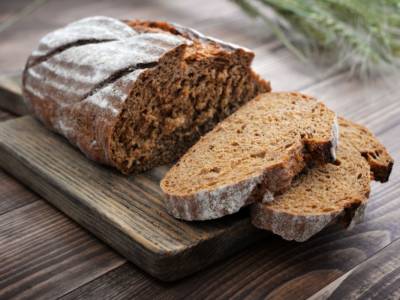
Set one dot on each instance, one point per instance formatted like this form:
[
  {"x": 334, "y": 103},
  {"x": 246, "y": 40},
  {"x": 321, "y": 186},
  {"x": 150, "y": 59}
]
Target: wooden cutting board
[{"x": 125, "y": 212}]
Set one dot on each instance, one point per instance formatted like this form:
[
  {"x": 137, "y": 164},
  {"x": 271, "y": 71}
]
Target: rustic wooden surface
[
  {"x": 45, "y": 255},
  {"x": 125, "y": 212}
]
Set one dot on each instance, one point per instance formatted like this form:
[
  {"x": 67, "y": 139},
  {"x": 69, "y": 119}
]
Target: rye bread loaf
[
  {"x": 257, "y": 150},
  {"x": 136, "y": 94},
  {"x": 329, "y": 193}
]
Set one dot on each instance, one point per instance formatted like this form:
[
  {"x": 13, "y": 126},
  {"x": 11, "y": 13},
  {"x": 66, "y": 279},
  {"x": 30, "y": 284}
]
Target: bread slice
[
  {"x": 328, "y": 193},
  {"x": 258, "y": 149},
  {"x": 136, "y": 94}
]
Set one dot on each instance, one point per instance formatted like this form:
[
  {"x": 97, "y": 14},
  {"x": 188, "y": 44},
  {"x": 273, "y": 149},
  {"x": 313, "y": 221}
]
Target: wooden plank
[
  {"x": 373, "y": 103},
  {"x": 126, "y": 212},
  {"x": 10, "y": 96},
  {"x": 12, "y": 11},
  {"x": 45, "y": 255},
  {"x": 13, "y": 194},
  {"x": 4, "y": 116},
  {"x": 125, "y": 282},
  {"x": 8, "y": 9},
  {"x": 376, "y": 278}
]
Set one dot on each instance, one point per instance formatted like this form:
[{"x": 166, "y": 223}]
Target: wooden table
[{"x": 44, "y": 255}]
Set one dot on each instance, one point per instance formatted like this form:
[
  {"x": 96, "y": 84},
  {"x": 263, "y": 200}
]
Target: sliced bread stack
[
  {"x": 279, "y": 153},
  {"x": 256, "y": 151},
  {"x": 328, "y": 193}
]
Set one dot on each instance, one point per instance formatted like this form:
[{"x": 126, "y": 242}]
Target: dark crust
[
  {"x": 380, "y": 172},
  {"x": 321, "y": 152},
  {"x": 349, "y": 212},
  {"x": 379, "y": 159},
  {"x": 183, "y": 31}
]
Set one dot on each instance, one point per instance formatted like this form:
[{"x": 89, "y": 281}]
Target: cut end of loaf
[
  {"x": 260, "y": 147},
  {"x": 180, "y": 99}
]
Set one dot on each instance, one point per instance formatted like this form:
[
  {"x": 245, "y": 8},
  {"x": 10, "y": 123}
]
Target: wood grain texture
[
  {"x": 4, "y": 116},
  {"x": 376, "y": 278},
  {"x": 274, "y": 269},
  {"x": 9, "y": 9},
  {"x": 12, "y": 11},
  {"x": 10, "y": 96},
  {"x": 13, "y": 194},
  {"x": 45, "y": 255},
  {"x": 126, "y": 212}
]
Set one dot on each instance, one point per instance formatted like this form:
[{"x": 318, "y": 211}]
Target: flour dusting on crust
[
  {"x": 213, "y": 204},
  {"x": 92, "y": 28}
]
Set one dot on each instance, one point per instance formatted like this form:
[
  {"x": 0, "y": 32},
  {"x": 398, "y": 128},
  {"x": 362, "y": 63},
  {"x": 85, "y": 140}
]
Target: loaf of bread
[
  {"x": 256, "y": 151},
  {"x": 136, "y": 94},
  {"x": 329, "y": 193}
]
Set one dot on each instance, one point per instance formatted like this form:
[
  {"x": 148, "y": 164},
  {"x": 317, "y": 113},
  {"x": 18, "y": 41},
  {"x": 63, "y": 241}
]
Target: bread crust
[
  {"x": 300, "y": 228},
  {"x": 228, "y": 199},
  {"x": 289, "y": 226}
]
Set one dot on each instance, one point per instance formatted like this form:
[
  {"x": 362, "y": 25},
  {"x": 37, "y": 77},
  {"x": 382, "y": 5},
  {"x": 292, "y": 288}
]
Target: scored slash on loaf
[
  {"x": 136, "y": 94},
  {"x": 258, "y": 150}
]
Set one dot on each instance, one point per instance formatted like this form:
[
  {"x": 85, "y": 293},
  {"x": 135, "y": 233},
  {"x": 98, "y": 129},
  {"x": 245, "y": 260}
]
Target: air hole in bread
[{"x": 215, "y": 169}]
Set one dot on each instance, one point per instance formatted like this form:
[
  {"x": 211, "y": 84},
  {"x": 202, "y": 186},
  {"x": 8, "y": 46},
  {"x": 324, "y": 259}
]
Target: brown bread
[
  {"x": 258, "y": 149},
  {"x": 328, "y": 193},
  {"x": 136, "y": 94}
]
